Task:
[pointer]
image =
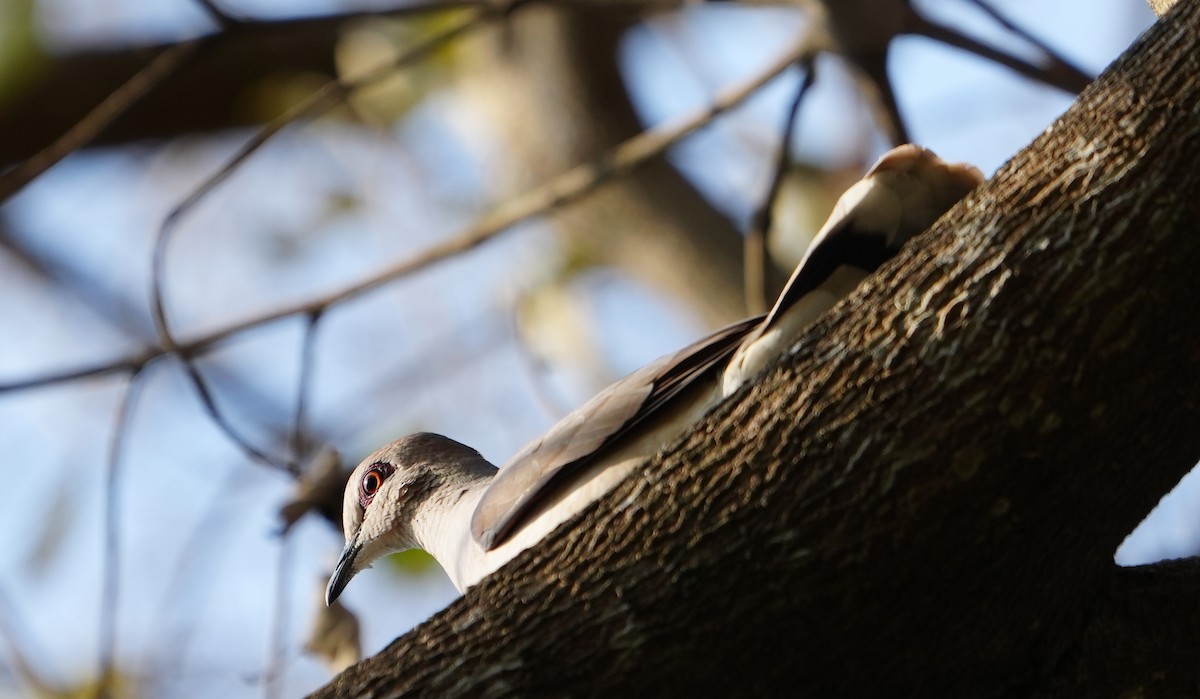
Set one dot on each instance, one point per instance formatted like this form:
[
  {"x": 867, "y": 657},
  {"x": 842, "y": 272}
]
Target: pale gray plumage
[{"x": 427, "y": 491}]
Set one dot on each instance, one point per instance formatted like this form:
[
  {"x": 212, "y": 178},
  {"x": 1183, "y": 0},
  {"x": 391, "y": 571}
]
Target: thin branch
[
  {"x": 535, "y": 368},
  {"x": 15, "y": 633},
  {"x": 277, "y": 654},
  {"x": 218, "y": 15},
  {"x": 83, "y": 132},
  {"x": 209, "y": 401},
  {"x": 303, "y": 389},
  {"x": 427, "y": 7},
  {"x": 324, "y": 98},
  {"x": 86, "y": 129},
  {"x": 110, "y": 583},
  {"x": 1058, "y": 62},
  {"x": 59, "y": 269},
  {"x": 760, "y": 222},
  {"x": 125, "y": 364},
  {"x": 1065, "y": 78},
  {"x": 558, "y": 192},
  {"x": 196, "y": 568}
]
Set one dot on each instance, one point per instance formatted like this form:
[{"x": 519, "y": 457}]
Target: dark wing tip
[
  {"x": 540, "y": 471},
  {"x": 484, "y": 534}
]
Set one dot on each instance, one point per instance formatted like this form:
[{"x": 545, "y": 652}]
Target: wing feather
[{"x": 551, "y": 462}]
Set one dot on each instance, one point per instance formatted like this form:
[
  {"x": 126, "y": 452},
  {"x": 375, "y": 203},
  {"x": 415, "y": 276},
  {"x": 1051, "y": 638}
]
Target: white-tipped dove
[{"x": 430, "y": 492}]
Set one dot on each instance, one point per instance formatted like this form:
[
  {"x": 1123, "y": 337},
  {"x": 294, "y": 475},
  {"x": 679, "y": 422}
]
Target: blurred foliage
[
  {"x": 374, "y": 43},
  {"x": 21, "y": 58},
  {"x": 273, "y": 97},
  {"x": 113, "y": 685},
  {"x": 411, "y": 562}
]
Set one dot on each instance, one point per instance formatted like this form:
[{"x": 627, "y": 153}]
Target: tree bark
[
  {"x": 1141, "y": 636},
  {"x": 924, "y": 498}
]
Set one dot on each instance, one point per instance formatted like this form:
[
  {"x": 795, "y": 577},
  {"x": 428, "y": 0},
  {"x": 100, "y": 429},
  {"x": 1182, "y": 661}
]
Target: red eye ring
[{"x": 372, "y": 481}]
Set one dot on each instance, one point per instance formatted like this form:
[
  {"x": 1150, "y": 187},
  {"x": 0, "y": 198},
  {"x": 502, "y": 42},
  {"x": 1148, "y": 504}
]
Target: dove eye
[{"x": 371, "y": 481}]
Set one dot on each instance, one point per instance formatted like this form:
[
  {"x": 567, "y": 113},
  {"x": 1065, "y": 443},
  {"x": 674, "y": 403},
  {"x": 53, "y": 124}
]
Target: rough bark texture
[
  {"x": 924, "y": 499},
  {"x": 1141, "y": 637}
]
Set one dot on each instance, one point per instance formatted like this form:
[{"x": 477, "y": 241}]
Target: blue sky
[{"x": 196, "y": 609}]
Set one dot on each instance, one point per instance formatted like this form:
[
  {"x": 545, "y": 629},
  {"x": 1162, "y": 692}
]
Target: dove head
[{"x": 390, "y": 490}]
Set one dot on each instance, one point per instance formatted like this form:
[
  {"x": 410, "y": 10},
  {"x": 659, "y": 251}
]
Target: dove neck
[{"x": 442, "y": 523}]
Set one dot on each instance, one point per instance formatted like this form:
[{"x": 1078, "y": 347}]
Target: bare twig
[
  {"x": 125, "y": 364},
  {"x": 1058, "y": 63},
  {"x": 760, "y": 222},
  {"x": 863, "y": 37},
  {"x": 16, "y": 634},
  {"x": 90, "y": 126},
  {"x": 59, "y": 269},
  {"x": 1063, "y": 76},
  {"x": 196, "y": 567},
  {"x": 560, "y": 191},
  {"x": 304, "y": 385},
  {"x": 110, "y": 584},
  {"x": 218, "y": 15},
  {"x": 535, "y": 367},
  {"x": 428, "y": 7},
  {"x": 324, "y": 98},
  {"x": 209, "y": 401},
  {"x": 277, "y": 654}
]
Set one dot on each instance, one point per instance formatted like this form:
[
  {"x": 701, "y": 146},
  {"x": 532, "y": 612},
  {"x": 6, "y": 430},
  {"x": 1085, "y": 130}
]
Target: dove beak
[{"x": 343, "y": 572}]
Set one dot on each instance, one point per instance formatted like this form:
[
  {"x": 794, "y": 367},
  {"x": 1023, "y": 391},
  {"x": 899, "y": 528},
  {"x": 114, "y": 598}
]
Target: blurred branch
[
  {"x": 198, "y": 568},
  {"x": 222, "y": 18},
  {"x": 1058, "y": 74},
  {"x": 328, "y": 96},
  {"x": 535, "y": 368},
  {"x": 86, "y": 129},
  {"x": 209, "y": 94},
  {"x": 319, "y": 489},
  {"x": 115, "y": 311},
  {"x": 110, "y": 584},
  {"x": 558, "y": 192},
  {"x": 304, "y": 385},
  {"x": 277, "y": 653},
  {"x": 209, "y": 401},
  {"x": 1058, "y": 63},
  {"x": 861, "y": 32},
  {"x": 760, "y": 222},
  {"x": 575, "y": 106},
  {"x": 85, "y": 286},
  {"x": 16, "y": 635},
  {"x": 319, "y": 101}
]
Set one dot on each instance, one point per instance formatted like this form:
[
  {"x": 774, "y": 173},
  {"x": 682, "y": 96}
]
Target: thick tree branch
[
  {"x": 1138, "y": 636},
  {"x": 922, "y": 500}
]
